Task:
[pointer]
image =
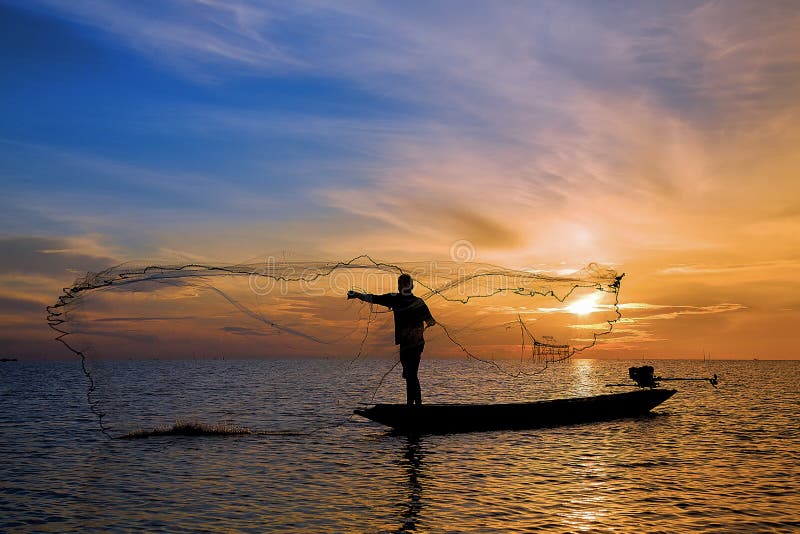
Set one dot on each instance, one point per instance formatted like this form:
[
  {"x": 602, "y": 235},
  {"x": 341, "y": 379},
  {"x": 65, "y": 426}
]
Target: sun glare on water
[{"x": 584, "y": 306}]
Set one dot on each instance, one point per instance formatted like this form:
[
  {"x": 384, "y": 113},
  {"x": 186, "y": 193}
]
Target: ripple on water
[{"x": 711, "y": 460}]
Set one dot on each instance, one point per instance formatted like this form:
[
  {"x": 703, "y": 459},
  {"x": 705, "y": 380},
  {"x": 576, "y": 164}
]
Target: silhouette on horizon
[{"x": 411, "y": 315}]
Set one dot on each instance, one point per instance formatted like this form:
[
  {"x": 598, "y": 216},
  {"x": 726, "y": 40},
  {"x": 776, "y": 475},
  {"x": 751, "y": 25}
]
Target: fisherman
[{"x": 411, "y": 314}]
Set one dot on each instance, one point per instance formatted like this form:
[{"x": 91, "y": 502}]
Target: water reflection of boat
[{"x": 447, "y": 418}]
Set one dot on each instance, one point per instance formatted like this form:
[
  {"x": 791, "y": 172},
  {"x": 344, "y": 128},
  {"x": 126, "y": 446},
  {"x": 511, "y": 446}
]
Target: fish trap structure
[{"x": 549, "y": 351}]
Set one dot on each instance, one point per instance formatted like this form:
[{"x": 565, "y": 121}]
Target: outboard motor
[{"x": 644, "y": 376}]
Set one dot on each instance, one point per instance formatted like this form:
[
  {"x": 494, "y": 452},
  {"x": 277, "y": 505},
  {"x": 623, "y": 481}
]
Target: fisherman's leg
[
  {"x": 406, "y": 360},
  {"x": 417, "y": 387},
  {"x": 411, "y": 391},
  {"x": 417, "y": 393},
  {"x": 413, "y": 375}
]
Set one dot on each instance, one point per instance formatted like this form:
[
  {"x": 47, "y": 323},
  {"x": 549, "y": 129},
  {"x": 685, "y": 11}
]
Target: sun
[{"x": 584, "y": 306}]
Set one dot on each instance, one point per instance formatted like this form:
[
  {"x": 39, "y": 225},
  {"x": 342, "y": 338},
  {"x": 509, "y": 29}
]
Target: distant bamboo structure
[{"x": 550, "y": 351}]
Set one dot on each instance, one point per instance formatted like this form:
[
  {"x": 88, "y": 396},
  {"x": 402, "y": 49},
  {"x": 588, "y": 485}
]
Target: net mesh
[{"x": 514, "y": 322}]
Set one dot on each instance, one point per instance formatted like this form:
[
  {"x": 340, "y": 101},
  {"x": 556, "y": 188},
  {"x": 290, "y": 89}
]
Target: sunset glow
[
  {"x": 584, "y": 306},
  {"x": 660, "y": 139},
  {"x": 400, "y": 266}
]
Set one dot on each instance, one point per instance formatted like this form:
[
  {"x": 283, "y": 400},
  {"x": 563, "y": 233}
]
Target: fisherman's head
[{"x": 405, "y": 284}]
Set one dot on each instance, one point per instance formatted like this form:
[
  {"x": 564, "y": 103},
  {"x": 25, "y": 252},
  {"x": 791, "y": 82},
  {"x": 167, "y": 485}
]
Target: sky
[{"x": 660, "y": 138}]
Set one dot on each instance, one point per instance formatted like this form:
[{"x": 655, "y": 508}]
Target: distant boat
[
  {"x": 451, "y": 418},
  {"x": 8, "y": 359}
]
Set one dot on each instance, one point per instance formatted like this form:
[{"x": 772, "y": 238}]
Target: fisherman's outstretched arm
[{"x": 383, "y": 300}]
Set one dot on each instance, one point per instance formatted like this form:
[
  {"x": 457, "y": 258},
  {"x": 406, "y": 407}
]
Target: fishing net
[{"x": 161, "y": 343}]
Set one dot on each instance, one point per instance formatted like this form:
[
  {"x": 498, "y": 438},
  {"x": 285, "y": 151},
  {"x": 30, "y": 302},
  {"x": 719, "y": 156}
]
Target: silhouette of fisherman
[{"x": 411, "y": 314}]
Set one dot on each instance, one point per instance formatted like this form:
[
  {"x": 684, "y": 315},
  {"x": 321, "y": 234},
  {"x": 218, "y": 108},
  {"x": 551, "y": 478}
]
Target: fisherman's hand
[{"x": 352, "y": 294}]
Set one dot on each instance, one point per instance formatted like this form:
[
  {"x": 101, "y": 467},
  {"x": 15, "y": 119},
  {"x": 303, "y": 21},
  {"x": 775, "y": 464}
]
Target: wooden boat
[{"x": 447, "y": 418}]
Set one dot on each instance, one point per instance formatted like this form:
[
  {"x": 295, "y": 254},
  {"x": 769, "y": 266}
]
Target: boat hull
[{"x": 450, "y": 418}]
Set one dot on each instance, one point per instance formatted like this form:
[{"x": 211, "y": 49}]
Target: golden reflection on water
[
  {"x": 582, "y": 520},
  {"x": 715, "y": 460},
  {"x": 584, "y": 377}
]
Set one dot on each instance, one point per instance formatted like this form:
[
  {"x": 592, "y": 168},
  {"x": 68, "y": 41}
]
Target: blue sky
[
  {"x": 660, "y": 137},
  {"x": 135, "y": 133}
]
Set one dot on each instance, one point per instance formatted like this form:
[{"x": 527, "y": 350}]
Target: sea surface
[{"x": 709, "y": 460}]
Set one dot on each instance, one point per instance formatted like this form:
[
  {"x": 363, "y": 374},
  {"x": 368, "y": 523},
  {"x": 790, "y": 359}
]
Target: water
[{"x": 710, "y": 460}]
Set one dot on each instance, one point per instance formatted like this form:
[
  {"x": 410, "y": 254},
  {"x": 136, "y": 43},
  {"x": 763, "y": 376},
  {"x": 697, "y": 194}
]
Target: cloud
[
  {"x": 661, "y": 135},
  {"x": 90, "y": 332},
  {"x": 19, "y": 306},
  {"x": 607, "y": 131},
  {"x": 142, "y": 319},
  {"x": 716, "y": 269},
  {"x": 678, "y": 311},
  {"x": 573, "y": 144},
  {"x": 52, "y": 256},
  {"x": 113, "y": 193},
  {"x": 666, "y": 312},
  {"x": 243, "y": 331},
  {"x": 184, "y": 35}
]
